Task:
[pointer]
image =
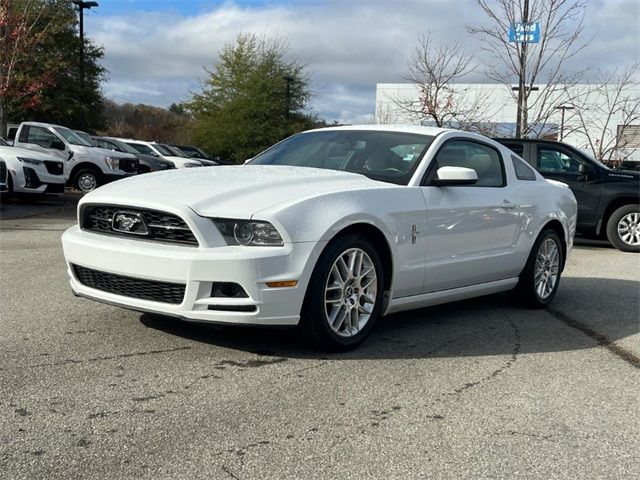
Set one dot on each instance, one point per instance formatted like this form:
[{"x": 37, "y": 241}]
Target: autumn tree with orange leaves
[{"x": 39, "y": 70}]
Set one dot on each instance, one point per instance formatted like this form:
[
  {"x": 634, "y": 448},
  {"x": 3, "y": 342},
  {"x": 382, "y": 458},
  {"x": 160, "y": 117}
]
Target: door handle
[{"x": 508, "y": 205}]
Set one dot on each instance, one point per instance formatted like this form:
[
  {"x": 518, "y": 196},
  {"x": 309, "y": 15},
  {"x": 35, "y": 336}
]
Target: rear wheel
[
  {"x": 623, "y": 228},
  {"x": 540, "y": 277},
  {"x": 87, "y": 180},
  {"x": 344, "y": 295}
]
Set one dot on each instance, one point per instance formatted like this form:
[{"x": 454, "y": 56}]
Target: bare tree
[
  {"x": 540, "y": 65},
  {"x": 603, "y": 114},
  {"x": 434, "y": 70}
]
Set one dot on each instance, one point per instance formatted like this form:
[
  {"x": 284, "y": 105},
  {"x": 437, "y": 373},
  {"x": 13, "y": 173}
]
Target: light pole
[
  {"x": 289, "y": 79},
  {"x": 563, "y": 108},
  {"x": 82, "y": 5}
]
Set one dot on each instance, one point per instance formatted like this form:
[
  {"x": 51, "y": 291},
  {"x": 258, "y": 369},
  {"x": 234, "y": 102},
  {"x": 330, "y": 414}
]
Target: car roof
[
  {"x": 419, "y": 129},
  {"x": 530, "y": 140},
  {"x": 43, "y": 124}
]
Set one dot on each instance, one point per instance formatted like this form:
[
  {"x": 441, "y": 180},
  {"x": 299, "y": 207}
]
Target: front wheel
[
  {"x": 87, "y": 180},
  {"x": 623, "y": 228},
  {"x": 540, "y": 278},
  {"x": 344, "y": 296}
]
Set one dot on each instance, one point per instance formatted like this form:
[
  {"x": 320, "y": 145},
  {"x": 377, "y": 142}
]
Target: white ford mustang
[{"x": 328, "y": 229}]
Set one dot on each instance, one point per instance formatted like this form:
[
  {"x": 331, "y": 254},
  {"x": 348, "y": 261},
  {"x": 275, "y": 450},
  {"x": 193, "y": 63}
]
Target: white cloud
[{"x": 349, "y": 46}]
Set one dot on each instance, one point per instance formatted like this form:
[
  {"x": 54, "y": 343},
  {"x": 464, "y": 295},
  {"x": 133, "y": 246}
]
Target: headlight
[
  {"x": 32, "y": 161},
  {"x": 112, "y": 162},
  {"x": 244, "y": 232}
]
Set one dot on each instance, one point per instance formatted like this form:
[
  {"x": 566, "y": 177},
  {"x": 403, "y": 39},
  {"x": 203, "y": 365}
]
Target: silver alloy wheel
[
  {"x": 350, "y": 293},
  {"x": 87, "y": 182},
  {"x": 547, "y": 268},
  {"x": 629, "y": 229}
]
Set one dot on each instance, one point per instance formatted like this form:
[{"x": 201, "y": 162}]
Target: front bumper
[
  {"x": 197, "y": 268},
  {"x": 37, "y": 179}
]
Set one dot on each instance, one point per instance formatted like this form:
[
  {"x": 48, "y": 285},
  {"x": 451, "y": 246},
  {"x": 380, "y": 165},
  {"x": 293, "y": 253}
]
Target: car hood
[
  {"x": 23, "y": 152},
  {"x": 232, "y": 191}
]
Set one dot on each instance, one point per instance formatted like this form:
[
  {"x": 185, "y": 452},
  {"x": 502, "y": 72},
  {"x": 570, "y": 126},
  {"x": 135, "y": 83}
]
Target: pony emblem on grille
[{"x": 129, "y": 222}]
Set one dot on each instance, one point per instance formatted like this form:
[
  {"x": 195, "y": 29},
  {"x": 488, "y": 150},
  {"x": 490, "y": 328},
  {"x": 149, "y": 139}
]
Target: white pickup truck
[{"x": 85, "y": 166}]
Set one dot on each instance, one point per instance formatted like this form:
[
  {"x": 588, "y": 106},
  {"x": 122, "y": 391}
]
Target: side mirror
[
  {"x": 448, "y": 176},
  {"x": 587, "y": 171},
  {"x": 57, "y": 144}
]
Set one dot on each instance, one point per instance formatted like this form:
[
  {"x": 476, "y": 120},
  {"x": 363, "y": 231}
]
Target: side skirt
[{"x": 452, "y": 295}]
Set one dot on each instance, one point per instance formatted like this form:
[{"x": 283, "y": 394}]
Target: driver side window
[
  {"x": 483, "y": 159},
  {"x": 41, "y": 136},
  {"x": 557, "y": 162}
]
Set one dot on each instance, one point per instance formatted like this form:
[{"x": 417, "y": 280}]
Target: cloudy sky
[{"x": 155, "y": 50}]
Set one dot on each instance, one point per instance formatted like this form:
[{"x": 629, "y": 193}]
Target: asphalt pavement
[{"x": 474, "y": 389}]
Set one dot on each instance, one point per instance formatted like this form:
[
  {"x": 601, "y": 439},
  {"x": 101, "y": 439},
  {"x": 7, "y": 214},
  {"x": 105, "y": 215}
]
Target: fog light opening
[{"x": 227, "y": 290}]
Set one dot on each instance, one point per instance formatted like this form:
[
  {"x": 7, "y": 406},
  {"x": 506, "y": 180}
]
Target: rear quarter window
[{"x": 523, "y": 170}]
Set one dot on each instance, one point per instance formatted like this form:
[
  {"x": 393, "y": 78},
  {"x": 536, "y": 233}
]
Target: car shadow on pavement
[
  {"x": 49, "y": 207},
  {"x": 490, "y": 325}
]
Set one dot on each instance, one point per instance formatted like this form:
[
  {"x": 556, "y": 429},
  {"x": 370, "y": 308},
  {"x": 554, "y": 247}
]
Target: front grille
[
  {"x": 55, "y": 168},
  {"x": 161, "y": 226},
  {"x": 163, "y": 292},
  {"x": 129, "y": 165}
]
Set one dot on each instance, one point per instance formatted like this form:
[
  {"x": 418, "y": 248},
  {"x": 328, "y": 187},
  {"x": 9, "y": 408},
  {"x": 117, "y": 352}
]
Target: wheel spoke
[
  {"x": 355, "y": 320},
  {"x": 340, "y": 317},
  {"x": 343, "y": 269},
  {"x": 368, "y": 283}
]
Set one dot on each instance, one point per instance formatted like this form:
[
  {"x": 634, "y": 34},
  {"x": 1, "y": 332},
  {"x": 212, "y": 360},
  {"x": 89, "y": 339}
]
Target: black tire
[
  {"x": 314, "y": 322},
  {"x": 526, "y": 292},
  {"x": 82, "y": 176},
  {"x": 612, "y": 228}
]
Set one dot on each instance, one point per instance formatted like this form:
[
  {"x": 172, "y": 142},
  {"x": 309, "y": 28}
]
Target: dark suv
[{"x": 608, "y": 200}]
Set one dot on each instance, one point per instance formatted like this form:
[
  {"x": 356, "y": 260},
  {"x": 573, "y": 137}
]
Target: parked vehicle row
[{"x": 86, "y": 162}]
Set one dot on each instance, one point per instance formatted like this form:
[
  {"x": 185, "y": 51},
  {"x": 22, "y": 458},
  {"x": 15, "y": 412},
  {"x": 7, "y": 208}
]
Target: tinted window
[
  {"x": 40, "y": 136},
  {"x": 142, "y": 148},
  {"x": 551, "y": 160},
  {"x": 164, "y": 150},
  {"x": 107, "y": 144},
  {"x": 380, "y": 155},
  {"x": 481, "y": 158},
  {"x": 523, "y": 170}
]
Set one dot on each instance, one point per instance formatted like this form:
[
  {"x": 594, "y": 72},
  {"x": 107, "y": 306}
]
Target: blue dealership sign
[{"x": 524, "y": 32}]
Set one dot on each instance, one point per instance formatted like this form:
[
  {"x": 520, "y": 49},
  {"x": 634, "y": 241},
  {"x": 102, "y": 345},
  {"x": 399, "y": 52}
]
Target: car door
[
  {"x": 42, "y": 139},
  {"x": 472, "y": 230},
  {"x": 558, "y": 163}
]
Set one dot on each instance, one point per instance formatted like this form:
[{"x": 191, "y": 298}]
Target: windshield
[
  {"x": 386, "y": 156},
  {"x": 85, "y": 136},
  {"x": 164, "y": 150},
  {"x": 140, "y": 147},
  {"x": 71, "y": 137},
  {"x": 175, "y": 151},
  {"x": 125, "y": 147}
]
